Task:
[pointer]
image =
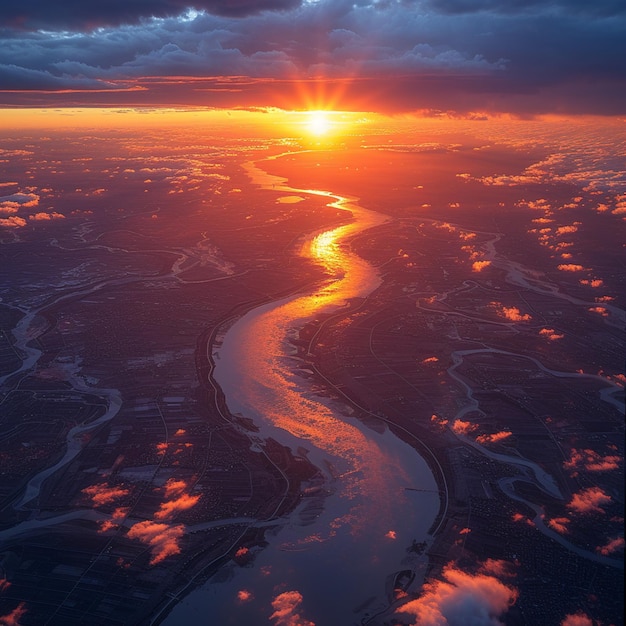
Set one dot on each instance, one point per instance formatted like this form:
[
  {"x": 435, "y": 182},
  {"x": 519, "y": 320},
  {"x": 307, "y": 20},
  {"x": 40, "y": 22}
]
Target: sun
[
  {"x": 318, "y": 123},
  {"x": 324, "y": 126}
]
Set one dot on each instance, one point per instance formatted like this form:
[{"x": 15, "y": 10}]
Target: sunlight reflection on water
[
  {"x": 267, "y": 379},
  {"x": 369, "y": 512}
]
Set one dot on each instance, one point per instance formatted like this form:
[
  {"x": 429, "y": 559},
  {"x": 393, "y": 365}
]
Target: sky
[{"x": 465, "y": 57}]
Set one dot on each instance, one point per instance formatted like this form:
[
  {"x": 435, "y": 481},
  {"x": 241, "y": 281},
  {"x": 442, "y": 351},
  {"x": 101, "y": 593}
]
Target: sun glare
[{"x": 318, "y": 123}]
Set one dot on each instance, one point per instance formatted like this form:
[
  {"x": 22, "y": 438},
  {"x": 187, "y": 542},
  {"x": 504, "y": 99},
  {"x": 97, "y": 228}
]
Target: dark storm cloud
[
  {"x": 89, "y": 14},
  {"x": 14, "y": 78},
  {"x": 605, "y": 8},
  {"x": 398, "y": 55}
]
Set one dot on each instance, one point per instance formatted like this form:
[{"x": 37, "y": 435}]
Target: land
[{"x": 127, "y": 296}]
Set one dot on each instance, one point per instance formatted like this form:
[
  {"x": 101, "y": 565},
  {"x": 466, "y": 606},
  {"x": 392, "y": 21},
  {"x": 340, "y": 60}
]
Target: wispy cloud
[
  {"x": 577, "y": 619},
  {"x": 105, "y": 494},
  {"x": 14, "y": 617},
  {"x": 612, "y": 546},
  {"x": 169, "y": 509},
  {"x": 494, "y": 437},
  {"x": 591, "y": 461},
  {"x": 551, "y": 334}
]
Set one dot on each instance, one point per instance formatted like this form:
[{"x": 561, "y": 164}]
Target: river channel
[{"x": 333, "y": 560}]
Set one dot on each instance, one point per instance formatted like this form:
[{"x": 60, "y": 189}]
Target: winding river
[{"x": 335, "y": 556}]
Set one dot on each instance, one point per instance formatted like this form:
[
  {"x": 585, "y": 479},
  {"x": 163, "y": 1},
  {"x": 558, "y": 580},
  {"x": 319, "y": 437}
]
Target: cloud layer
[
  {"x": 39, "y": 14},
  {"x": 447, "y": 55}
]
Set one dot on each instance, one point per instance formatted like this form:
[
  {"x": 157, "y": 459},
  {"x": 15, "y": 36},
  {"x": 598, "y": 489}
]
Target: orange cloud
[
  {"x": 101, "y": 494},
  {"x": 600, "y": 310},
  {"x": 596, "y": 282},
  {"x": 495, "y": 437},
  {"x": 42, "y": 216},
  {"x": 592, "y": 461},
  {"x": 579, "y": 619},
  {"x": 391, "y": 534},
  {"x": 570, "y": 267},
  {"x": 118, "y": 515},
  {"x": 13, "y": 222},
  {"x": 539, "y": 205},
  {"x": 461, "y": 427},
  {"x": 511, "y": 313},
  {"x": 164, "y": 447},
  {"x": 550, "y": 334},
  {"x": 461, "y": 598},
  {"x": 465, "y": 531},
  {"x": 614, "y": 545},
  {"x": 479, "y": 266},
  {"x": 17, "y": 200},
  {"x": 179, "y": 432},
  {"x": 13, "y": 618},
  {"x": 440, "y": 421},
  {"x": 497, "y": 567},
  {"x": 560, "y": 524},
  {"x": 514, "y": 314},
  {"x": 241, "y": 552},
  {"x": 169, "y": 509},
  {"x": 446, "y": 226},
  {"x": 243, "y": 595},
  {"x": 467, "y": 236},
  {"x": 285, "y": 606},
  {"x": 563, "y": 245},
  {"x": 589, "y": 500},
  {"x": 174, "y": 487},
  {"x": 566, "y": 229},
  {"x": 162, "y": 538},
  {"x": 430, "y": 359},
  {"x": 106, "y": 525}
]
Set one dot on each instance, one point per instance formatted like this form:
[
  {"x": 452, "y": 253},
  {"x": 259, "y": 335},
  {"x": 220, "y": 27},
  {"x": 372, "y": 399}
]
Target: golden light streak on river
[{"x": 267, "y": 370}]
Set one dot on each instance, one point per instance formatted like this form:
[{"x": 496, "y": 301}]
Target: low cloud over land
[{"x": 460, "y": 598}]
